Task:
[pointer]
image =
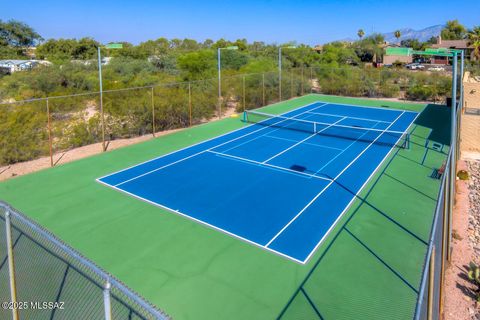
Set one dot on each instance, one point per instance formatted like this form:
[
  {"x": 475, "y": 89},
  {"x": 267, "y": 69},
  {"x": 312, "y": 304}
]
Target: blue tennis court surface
[{"x": 280, "y": 183}]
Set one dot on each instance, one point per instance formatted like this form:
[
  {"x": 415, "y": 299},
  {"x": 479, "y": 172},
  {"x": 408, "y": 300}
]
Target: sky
[{"x": 310, "y": 22}]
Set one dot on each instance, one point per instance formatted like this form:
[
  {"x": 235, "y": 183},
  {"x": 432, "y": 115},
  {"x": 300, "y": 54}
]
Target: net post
[
  {"x": 106, "y": 300},
  {"x": 153, "y": 113},
  {"x": 263, "y": 88},
  {"x": 11, "y": 264},
  {"x": 49, "y": 128},
  {"x": 190, "y": 102},
  {"x": 431, "y": 284}
]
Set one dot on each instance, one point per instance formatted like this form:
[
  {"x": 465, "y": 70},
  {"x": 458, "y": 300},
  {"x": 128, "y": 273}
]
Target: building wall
[
  {"x": 470, "y": 133},
  {"x": 471, "y": 92},
  {"x": 470, "y": 130},
  {"x": 390, "y": 59},
  {"x": 439, "y": 60}
]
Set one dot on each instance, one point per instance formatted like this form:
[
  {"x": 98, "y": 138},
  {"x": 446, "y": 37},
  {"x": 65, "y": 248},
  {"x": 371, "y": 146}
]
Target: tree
[
  {"x": 18, "y": 34},
  {"x": 360, "y": 33},
  {"x": 337, "y": 53},
  {"x": 369, "y": 47},
  {"x": 453, "y": 31},
  {"x": 197, "y": 65},
  {"x": 397, "y": 34},
  {"x": 412, "y": 43},
  {"x": 474, "y": 37},
  {"x": 85, "y": 48}
]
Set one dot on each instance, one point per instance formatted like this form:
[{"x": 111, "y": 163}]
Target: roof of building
[
  {"x": 456, "y": 44},
  {"x": 401, "y": 51}
]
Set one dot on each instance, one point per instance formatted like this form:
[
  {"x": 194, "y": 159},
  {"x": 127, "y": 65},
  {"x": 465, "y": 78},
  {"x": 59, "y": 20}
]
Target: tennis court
[{"x": 280, "y": 182}]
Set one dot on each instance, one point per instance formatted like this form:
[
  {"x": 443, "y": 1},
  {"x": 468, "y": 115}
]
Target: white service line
[
  {"x": 268, "y": 165},
  {"x": 328, "y": 185},
  {"x": 301, "y": 141},
  {"x": 356, "y": 118},
  {"x": 307, "y": 143},
  {"x": 265, "y": 134},
  {"x": 203, "y": 151},
  {"x": 331, "y": 160}
]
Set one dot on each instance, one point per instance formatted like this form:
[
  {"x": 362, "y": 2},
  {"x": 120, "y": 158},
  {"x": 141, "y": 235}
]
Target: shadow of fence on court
[{"x": 307, "y": 301}]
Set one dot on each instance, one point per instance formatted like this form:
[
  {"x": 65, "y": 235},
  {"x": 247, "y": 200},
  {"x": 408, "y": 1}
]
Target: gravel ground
[
  {"x": 474, "y": 218},
  {"x": 474, "y": 210}
]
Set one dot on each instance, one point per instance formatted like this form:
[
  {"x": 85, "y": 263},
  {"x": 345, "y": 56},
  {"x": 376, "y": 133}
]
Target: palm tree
[
  {"x": 397, "y": 34},
  {"x": 360, "y": 33},
  {"x": 474, "y": 37}
]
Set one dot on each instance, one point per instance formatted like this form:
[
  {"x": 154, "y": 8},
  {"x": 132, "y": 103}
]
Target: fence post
[
  {"x": 153, "y": 114},
  {"x": 11, "y": 265},
  {"x": 431, "y": 284},
  {"x": 106, "y": 301},
  {"x": 291, "y": 84},
  {"x": 301, "y": 83},
  {"x": 311, "y": 79},
  {"x": 49, "y": 126},
  {"x": 243, "y": 95},
  {"x": 102, "y": 119},
  {"x": 263, "y": 88},
  {"x": 190, "y": 102}
]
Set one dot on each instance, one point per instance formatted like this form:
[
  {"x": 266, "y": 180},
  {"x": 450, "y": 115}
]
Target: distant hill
[
  {"x": 421, "y": 35},
  {"x": 409, "y": 33}
]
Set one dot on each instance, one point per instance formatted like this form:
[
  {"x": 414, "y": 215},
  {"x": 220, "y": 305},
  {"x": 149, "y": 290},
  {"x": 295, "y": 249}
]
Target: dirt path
[{"x": 26, "y": 167}]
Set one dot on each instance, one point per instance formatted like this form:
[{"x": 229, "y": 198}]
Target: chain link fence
[
  {"x": 37, "y": 268},
  {"x": 49, "y": 127}
]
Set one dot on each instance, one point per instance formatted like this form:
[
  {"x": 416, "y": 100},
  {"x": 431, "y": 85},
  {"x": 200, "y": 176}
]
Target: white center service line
[
  {"x": 268, "y": 165},
  {"x": 330, "y": 183},
  {"x": 300, "y": 142}
]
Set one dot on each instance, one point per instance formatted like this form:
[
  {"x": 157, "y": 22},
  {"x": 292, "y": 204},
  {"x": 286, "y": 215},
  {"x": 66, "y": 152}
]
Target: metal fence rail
[
  {"x": 430, "y": 298},
  {"x": 37, "y": 268}
]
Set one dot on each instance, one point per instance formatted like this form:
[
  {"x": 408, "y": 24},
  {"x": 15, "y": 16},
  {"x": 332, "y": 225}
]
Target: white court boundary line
[
  {"x": 201, "y": 222},
  {"x": 328, "y": 185},
  {"x": 226, "y": 155},
  {"x": 203, "y": 151},
  {"x": 230, "y": 233}
]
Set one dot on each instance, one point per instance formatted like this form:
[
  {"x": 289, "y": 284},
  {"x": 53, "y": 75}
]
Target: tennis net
[{"x": 356, "y": 133}]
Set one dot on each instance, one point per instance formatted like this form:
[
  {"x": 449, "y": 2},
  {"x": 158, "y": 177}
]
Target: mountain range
[{"x": 408, "y": 33}]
